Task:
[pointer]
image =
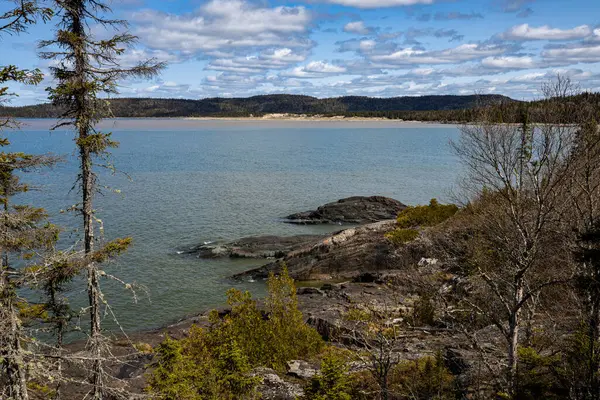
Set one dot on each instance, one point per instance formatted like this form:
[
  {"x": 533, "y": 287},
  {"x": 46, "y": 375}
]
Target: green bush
[
  {"x": 332, "y": 382},
  {"x": 419, "y": 216},
  {"x": 401, "y": 236},
  {"x": 539, "y": 376},
  {"x": 425, "y": 378},
  {"x": 214, "y": 363},
  {"x": 423, "y": 311},
  {"x": 429, "y": 215}
]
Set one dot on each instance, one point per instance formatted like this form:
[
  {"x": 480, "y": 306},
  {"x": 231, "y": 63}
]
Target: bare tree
[
  {"x": 87, "y": 68},
  {"x": 516, "y": 174}
]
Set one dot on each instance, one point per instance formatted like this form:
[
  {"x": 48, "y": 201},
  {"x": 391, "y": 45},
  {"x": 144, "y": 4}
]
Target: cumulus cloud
[
  {"x": 572, "y": 54},
  {"x": 357, "y": 27},
  {"x": 269, "y": 59},
  {"x": 464, "y": 52},
  {"x": 509, "y": 62},
  {"x": 224, "y": 24},
  {"x": 316, "y": 69},
  {"x": 525, "y": 32}
]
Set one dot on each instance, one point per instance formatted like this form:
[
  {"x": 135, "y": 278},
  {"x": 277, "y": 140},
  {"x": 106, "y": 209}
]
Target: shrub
[
  {"x": 423, "y": 311},
  {"x": 425, "y": 378},
  {"x": 273, "y": 339},
  {"x": 401, "y": 236},
  {"x": 419, "y": 216},
  {"x": 429, "y": 215},
  {"x": 214, "y": 363},
  {"x": 332, "y": 382},
  {"x": 537, "y": 376},
  {"x": 358, "y": 315}
]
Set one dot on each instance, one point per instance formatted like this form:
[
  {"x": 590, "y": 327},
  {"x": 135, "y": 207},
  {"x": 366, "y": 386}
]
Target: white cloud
[
  {"x": 357, "y": 27},
  {"x": 525, "y": 32},
  {"x": 266, "y": 60},
  {"x": 464, "y": 52},
  {"x": 315, "y": 69},
  {"x": 572, "y": 54},
  {"x": 379, "y": 3},
  {"x": 223, "y": 24},
  {"x": 367, "y": 45},
  {"x": 509, "y": 62}
]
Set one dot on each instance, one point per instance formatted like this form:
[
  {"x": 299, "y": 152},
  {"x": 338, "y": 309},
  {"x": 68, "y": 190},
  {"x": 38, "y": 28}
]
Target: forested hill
[{"x": 269, "y": 104}]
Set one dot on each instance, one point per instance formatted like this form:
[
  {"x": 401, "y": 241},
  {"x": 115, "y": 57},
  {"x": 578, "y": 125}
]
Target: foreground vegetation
[{"x": 511, "y": 277}]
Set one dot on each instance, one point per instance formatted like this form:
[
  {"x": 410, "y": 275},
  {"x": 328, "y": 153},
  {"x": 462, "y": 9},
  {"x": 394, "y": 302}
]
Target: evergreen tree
[
  {"x": 22, "y": 228},
  {"x": 88, "y": 68}
]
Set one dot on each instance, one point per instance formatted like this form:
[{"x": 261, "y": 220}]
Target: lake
[{"x": 190, "y": 181}]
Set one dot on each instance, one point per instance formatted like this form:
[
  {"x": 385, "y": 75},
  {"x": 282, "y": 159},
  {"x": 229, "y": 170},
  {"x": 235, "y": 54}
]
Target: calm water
[{"x": 196, "y": 181}]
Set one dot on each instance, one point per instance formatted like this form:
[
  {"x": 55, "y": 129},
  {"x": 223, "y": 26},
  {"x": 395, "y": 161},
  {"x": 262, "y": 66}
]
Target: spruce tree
[
  {"x": 88, "y": 68},
  {"x": 22, "y": 228}
]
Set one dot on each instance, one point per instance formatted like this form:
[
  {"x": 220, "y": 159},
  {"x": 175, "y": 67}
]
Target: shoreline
[{"x": 286, "y": 121}]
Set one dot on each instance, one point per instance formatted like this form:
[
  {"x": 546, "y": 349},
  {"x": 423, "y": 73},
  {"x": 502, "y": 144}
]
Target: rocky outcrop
[
  {"x": 273, "y": 387},
  {"x": 355, "y": 210},
  {"x": 345, "y": 254},
  {"x": 255, "y": 247}
]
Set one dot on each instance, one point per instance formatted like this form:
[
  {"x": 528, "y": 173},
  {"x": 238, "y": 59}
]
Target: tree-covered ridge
[{"x": 275, "y": 103}]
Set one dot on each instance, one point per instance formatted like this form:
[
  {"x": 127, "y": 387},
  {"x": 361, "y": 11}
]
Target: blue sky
[{"x": 325, "y": 48}]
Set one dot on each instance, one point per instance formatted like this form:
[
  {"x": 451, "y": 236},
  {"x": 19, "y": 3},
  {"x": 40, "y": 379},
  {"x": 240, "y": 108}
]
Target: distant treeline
[
  {"x": 273, "y": 104},
  {"x": 423, "y": 108}
]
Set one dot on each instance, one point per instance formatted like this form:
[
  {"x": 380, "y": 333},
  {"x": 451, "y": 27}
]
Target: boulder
[{"x": 354, "y": 210}]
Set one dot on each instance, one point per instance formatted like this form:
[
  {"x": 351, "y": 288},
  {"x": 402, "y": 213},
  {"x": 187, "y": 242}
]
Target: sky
[{"x": 329, "y": 48}]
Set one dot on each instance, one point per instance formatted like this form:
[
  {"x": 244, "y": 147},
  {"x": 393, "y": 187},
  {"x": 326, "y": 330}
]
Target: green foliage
[
  {"x": 202, "y": 367},
  {"x": 332, "y": 382},
  {"x": 425, "y": 378},
  {"x": 419, "y": 216},
  {"x": 423, "y": 311},
  {"x": 97, "y": 143},
  {"x": 429, "y": 215},
  {"x": 358, "y": 315},
  {"x": 539, "y": 376},
  {"x": 216, "y": 361},
  {"x": 401, "y": 236},
  {"x": 111, "y": 249},
  {"x": 289, "y": 336}
]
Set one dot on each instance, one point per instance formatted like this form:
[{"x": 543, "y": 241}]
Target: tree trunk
[
  {"x": 93, "y": 285},
  {"x": 15, "y": 367},
  {"x": 13, "y": 354},
  {"x": 594, "y": 337},
  {"x": 513, "y": 340},
  {"x": 83, "y": 123}
]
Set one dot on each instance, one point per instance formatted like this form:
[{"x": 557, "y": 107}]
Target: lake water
[{"x": 193, "y": 181}]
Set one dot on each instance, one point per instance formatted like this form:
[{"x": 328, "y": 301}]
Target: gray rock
[
  {"x": 356, "y": 210},
  {"x": 255, "y": 247},
  {"x": 310, "y": 290},
  {"x": 346, "y": 254},
  {"x": 273, "y": 387},
  {"x": 301, "y": 369}
]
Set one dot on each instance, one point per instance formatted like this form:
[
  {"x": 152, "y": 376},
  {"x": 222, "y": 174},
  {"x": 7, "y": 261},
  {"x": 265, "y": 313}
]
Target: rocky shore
[{"x": 353, "y": 269}]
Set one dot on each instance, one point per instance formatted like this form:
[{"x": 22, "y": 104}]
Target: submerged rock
[{"x": 355, "y": 210}]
